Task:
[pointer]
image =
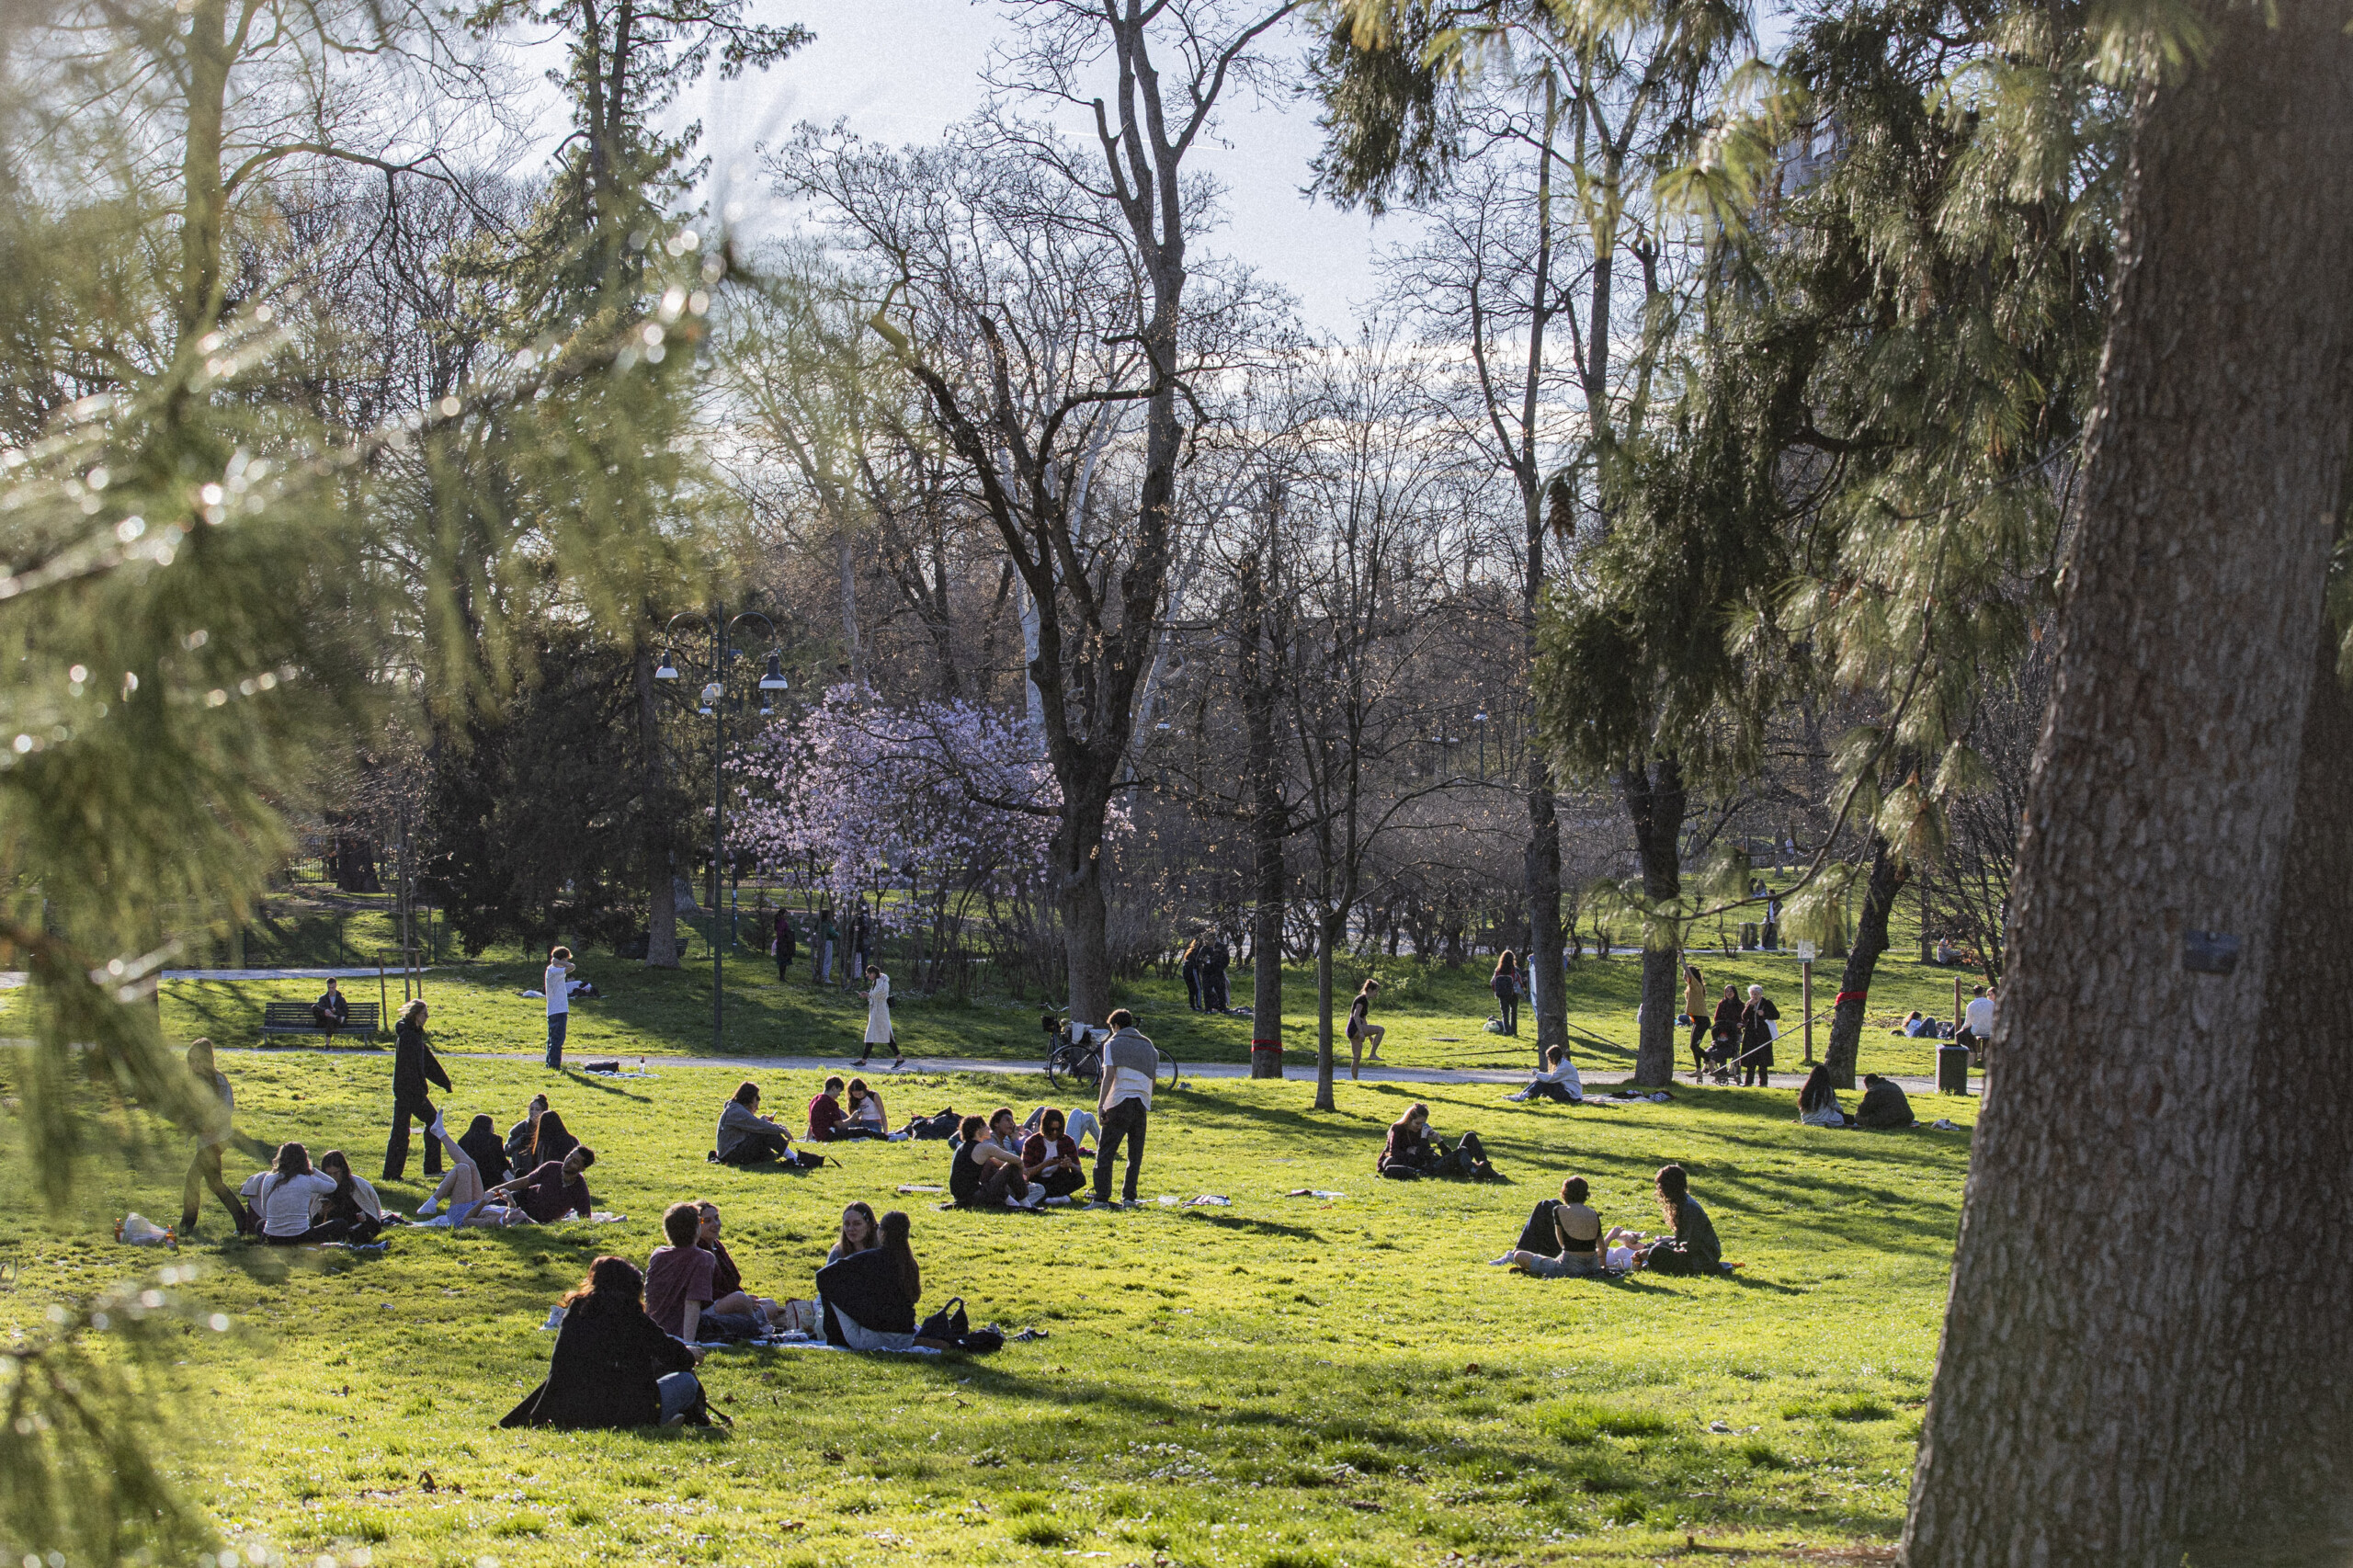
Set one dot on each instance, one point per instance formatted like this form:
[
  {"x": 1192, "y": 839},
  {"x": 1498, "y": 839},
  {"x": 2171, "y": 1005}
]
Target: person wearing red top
[
  {"x": 678, "y": 1278},
  {"x": 1050, "y": 1158},
  {"x": 554, "y": 1188},
  {"x": 825, "y": 1113}
]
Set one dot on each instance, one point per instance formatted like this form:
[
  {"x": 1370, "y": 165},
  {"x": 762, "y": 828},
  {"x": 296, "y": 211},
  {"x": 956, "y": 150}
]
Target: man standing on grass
[
  {"x": 559, "y": 988},
  {"x": 1130, "y": 1064}
]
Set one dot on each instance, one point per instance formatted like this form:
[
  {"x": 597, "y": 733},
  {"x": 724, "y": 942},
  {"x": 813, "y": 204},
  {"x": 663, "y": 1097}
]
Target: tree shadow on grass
[{"x": 604, "y": 1086}]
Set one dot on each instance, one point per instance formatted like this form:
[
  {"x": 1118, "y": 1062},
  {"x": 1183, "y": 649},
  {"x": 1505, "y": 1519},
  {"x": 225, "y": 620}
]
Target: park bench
[{"x": 294, "y": 1018}]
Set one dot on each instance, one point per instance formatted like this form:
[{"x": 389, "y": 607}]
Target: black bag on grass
[{"x": 949, "y": 1323}]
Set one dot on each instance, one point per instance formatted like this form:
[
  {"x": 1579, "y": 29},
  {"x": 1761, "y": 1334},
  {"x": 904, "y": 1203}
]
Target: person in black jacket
[
  {"x": 489, "y": 1155},
  {"x": 612, "y": 1368},
  {"x": 786, "y": 942},
  {"x": 414, "y": 1065},
  {"x": 869, "y": 1297},
  {"x": 1757, "y": 1032}
]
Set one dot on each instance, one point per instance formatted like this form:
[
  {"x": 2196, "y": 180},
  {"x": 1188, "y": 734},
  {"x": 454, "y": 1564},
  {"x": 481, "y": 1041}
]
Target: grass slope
[
  {"x": 1285, "y": 1383},
  {"x": 1434, "y": 1015}
]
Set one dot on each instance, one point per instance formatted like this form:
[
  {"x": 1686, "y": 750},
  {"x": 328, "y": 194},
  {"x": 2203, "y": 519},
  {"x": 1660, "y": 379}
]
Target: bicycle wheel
[
  {"x": 1058, "y": 1065},
  {"x": 1166, "y": 1071}
]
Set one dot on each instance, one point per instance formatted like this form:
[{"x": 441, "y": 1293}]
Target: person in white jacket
[{"x": 877, "y": 996}]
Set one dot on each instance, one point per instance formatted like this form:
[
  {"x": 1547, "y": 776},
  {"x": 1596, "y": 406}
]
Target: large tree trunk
[
  {"x": 1328, "y": 935},
  {"x": 1267, "y": 825},
  {"x": 2115, "y": 1387},
  {"x": 1887, "y": 878},
  {"x": 661, "y": 875},
  {"x": 1086, "y": 949},
  {"x": 1654, "y": 799}
]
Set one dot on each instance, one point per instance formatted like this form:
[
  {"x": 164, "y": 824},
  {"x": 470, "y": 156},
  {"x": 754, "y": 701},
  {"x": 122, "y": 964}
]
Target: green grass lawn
[
  {"x": 1434, "y": 1015},
  {"x": 1284, "y": 1383}
]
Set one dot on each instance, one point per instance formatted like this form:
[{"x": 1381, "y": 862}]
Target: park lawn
[
  {"x": 1288, "y": 1382},
  {"x": 1435, "y": 1016}
]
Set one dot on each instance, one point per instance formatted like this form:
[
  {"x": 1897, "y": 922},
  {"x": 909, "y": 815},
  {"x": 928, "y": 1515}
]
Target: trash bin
[{"x": 1953, "y": 1068}]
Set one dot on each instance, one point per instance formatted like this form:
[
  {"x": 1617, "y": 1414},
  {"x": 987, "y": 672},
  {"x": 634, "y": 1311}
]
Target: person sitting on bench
[
  {"x": 1885, "y": 1108},
  {"x": 331, "y": 1011},
  {"x": 1560, "y": 1238},
  {"x": 1559, "y": 1081}
]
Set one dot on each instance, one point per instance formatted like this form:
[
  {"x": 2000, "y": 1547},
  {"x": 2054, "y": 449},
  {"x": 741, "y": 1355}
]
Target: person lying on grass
[
  {"x": 1818, "y": 1102},
  {"x": 1574, "y": 1230},
  {"x": 468, "y": 1199},
  {"x": 985, "y": 1173},
  {"x": 612, "y": 1366},
  {"x": 858, "y": 1233},
  {"x": 553, "y": 1189},
  {"x": 1049, "y": 1159},
  {"x": 1412, "y": 1154},
  {"x": 869, "y": 1297},
  {"x": 1693, "y": 1248},
  {"x": 1885, "y": 1108},
  {"x": 1559, "y": 1081}
]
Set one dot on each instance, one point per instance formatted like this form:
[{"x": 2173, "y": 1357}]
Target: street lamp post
[{"x": 717, "y": 625}]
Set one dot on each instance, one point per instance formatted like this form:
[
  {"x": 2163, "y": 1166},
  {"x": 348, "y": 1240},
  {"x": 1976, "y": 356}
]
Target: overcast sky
[{"x": 902, "y": 71}]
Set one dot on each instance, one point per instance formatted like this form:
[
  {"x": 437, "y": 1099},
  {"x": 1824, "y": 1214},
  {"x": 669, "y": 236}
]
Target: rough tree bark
[
  {"x": 1654, "y": 798},
  {"x": 1258, "y": 679},
  {"x": 1887, "y": 878},
  {"x": 661, "y": 875},
  {"x": 2111, "y": 1390}
]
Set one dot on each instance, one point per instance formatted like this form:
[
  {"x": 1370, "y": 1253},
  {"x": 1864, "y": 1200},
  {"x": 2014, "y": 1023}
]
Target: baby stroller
[{"x": 1723, "y": 1051}]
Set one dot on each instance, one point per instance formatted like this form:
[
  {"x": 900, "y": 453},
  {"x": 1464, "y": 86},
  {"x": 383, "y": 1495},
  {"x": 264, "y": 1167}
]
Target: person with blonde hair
[
  {"x": 414, "y": 1066},
  {"x": 1362, "y": 1031}
]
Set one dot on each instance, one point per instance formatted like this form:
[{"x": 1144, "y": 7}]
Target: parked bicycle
[{"x": 1075, "y": 1055}]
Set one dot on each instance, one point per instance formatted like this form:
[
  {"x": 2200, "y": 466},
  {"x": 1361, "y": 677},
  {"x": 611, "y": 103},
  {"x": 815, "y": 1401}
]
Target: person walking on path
[
  {"x": 1130, "y": 1064},
  {"x": 559, "y": 990},
  {"x": 877, "y": 997},
  {"x": 1506, "y": 985},
  {"x": 1362, "y": 1031},
  {"x": 414, "y": 1065},
  {"x": 1758, "y": 1025},
  {"x": 220, "y": 1103},
  {"x": 827, "y": 934},
  {"x": 1695, "y": 1012},
  {"x": 784, "y": 945},
  {"x": 1192, "y": 970}
]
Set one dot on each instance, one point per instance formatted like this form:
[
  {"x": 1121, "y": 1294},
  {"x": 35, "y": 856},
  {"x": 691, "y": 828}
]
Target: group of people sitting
[
  {"x": 1564, "y": 1236},
  {"x": 748, "y": 1138},
  {"x": 1411, "y": 1152},
  {"x": 996, "y": 1161},
  {"x": 1885, "y": 1107},
  {"x": 630, "y": 1337}
]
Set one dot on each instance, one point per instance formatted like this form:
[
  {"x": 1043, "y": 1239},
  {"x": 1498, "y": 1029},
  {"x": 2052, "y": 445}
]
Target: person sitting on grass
[
  {"x": 1885, "y": 1108},
  {"x": 482, "y": 1146},
  {"x": 283, "y": 1194},
  {"x": 519, "y": 1136},
  {"x": 553, "y": 1190},
  {"x": 744, "y": 1136},
  {"x": 734, "y": 1314},
  {"x": 352, "y": 1212},
  {"x": 1559, "y": 1081},
  {"x": 551, "y": 1141},
  {"x": 826, "y": 1114},
  {"x": 1693, "y": 1248},
  {"x": 858, "y": 1233},
  {"x": 869, "y": 1297},
  {"x": 1411, "y": 1152},
  {"x": 1818, "y": 1101},
  {"x": 1049, "y": 1159},
  {"x": 1911, "y": 1026},
  {"x": 862, "y": 1113},
  {"x": 613, "y": 1366},
  {"x": 985, "y": 1173},
  {"x": 463, "y": 1190},
  {"x": 1573, "y": 1229}
]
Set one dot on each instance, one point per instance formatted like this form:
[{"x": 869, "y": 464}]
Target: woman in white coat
[{"x": 878, "y": 1018}]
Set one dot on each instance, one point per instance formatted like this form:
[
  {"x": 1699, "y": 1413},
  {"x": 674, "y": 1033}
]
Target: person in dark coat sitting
[
  {"x": 1693, "y": 1249},
  {"x": 482, "y": 1146},
  {"x": 612, "y": 1367},
  {"x": 414, "y": 1066},
  {"x": 869, "y": 1297},
  {"x": 1885, "y": 1108},
  {"x": 331, "y": 1011}
]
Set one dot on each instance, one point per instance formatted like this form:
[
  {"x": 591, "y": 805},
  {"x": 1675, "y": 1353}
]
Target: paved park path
[{"x": 931, "y": 1065}]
